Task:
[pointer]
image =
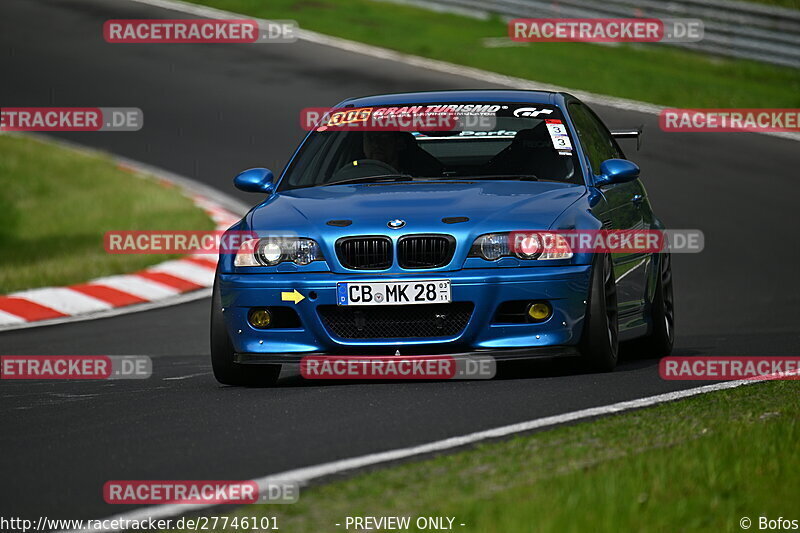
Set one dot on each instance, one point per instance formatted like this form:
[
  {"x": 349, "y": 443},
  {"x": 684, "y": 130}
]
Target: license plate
[{"x": 394, "y": 292}]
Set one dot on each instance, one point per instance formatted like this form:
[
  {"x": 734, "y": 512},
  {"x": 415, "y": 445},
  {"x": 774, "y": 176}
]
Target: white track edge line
[
  {"x": 435, "y": 64},
  {"x": 303, "y": 476}
]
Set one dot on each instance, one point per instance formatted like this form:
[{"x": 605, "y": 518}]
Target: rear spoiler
[{"x": 630, "y": 134}]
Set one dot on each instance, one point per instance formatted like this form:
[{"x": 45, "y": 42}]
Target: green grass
[
  {"x": 56, "y": 205},
  {"x": 651, "y": 73},
  {"x": 698, "y": 464}
]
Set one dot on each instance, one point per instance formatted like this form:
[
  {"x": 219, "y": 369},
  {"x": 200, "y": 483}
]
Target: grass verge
[
  {"x": 56, "y": 205},
  {"x": 650, "y": 73},
  {"x": 699, "y": 464}
]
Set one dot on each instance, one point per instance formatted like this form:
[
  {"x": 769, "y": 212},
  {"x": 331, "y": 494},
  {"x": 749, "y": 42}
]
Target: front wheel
[
  {"x": 225, "y": 369},
  {"x": 599, "y": 346}
]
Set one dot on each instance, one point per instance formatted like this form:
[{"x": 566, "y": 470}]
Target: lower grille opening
[{"x": 396, "y": 321}]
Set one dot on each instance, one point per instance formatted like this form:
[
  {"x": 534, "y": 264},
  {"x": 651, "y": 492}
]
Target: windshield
[{"x": 490, "y": 141}]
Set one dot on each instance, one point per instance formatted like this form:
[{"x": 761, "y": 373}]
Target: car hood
[{"x": 489, "y": 205}]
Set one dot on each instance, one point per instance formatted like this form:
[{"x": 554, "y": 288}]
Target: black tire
[
  {"x": 599, "y": 346},
  {"x": 226, "y": 370},
  {"x": 659, "y": 342}
]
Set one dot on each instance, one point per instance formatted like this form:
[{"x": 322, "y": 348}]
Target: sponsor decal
[
  {"x": 531, "y": 112},
  {"x": 420, "y": 118},
  {"x": 495, "y": 133},
  {"x": 349, "y": 116},
  {"x": 466, "y": 109}
]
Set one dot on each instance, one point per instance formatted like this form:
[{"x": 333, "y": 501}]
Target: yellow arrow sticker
[{"x": 293, "y": 296}]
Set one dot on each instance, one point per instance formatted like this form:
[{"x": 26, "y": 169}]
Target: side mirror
[
  {"x": 255, "y": 180},
  {"x": 616, "y": 171}
]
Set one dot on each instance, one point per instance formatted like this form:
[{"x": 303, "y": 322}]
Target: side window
[{"x": 595, "y": 137}]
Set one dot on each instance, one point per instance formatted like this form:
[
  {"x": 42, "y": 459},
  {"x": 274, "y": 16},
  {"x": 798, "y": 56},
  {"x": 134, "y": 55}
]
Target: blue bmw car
[{"x": 398, "y": 242}]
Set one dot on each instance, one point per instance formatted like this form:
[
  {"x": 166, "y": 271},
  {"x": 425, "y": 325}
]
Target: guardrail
[{"x": 737, "y": 29}]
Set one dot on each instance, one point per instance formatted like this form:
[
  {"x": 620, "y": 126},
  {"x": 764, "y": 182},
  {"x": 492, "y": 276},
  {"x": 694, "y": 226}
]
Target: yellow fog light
[
  {"x": 539, "y": 311},
  {"x": 260, "y": 318}
]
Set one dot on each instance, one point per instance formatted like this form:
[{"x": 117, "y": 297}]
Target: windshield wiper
[{"x": 373, "y": 179}]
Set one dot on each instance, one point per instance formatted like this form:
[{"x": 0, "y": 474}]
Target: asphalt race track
[{"x": 213, "y": 110}]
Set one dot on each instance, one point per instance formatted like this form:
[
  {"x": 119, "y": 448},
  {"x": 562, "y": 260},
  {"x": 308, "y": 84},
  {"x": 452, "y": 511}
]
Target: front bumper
[
  {"x": 565, "y": 287},
  {"x": 508, "y": 354}
]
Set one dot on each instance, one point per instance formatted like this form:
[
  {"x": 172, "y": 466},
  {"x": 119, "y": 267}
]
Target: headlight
[
  {"x": 554, "y": 246},
  {"x": 521, "y": 244},
  {"x": 270, "y": 251},
  {"x": 491, "y": 246},
  {"x": 304, "y": 251},
  {"x": 529, "y": 247}
]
